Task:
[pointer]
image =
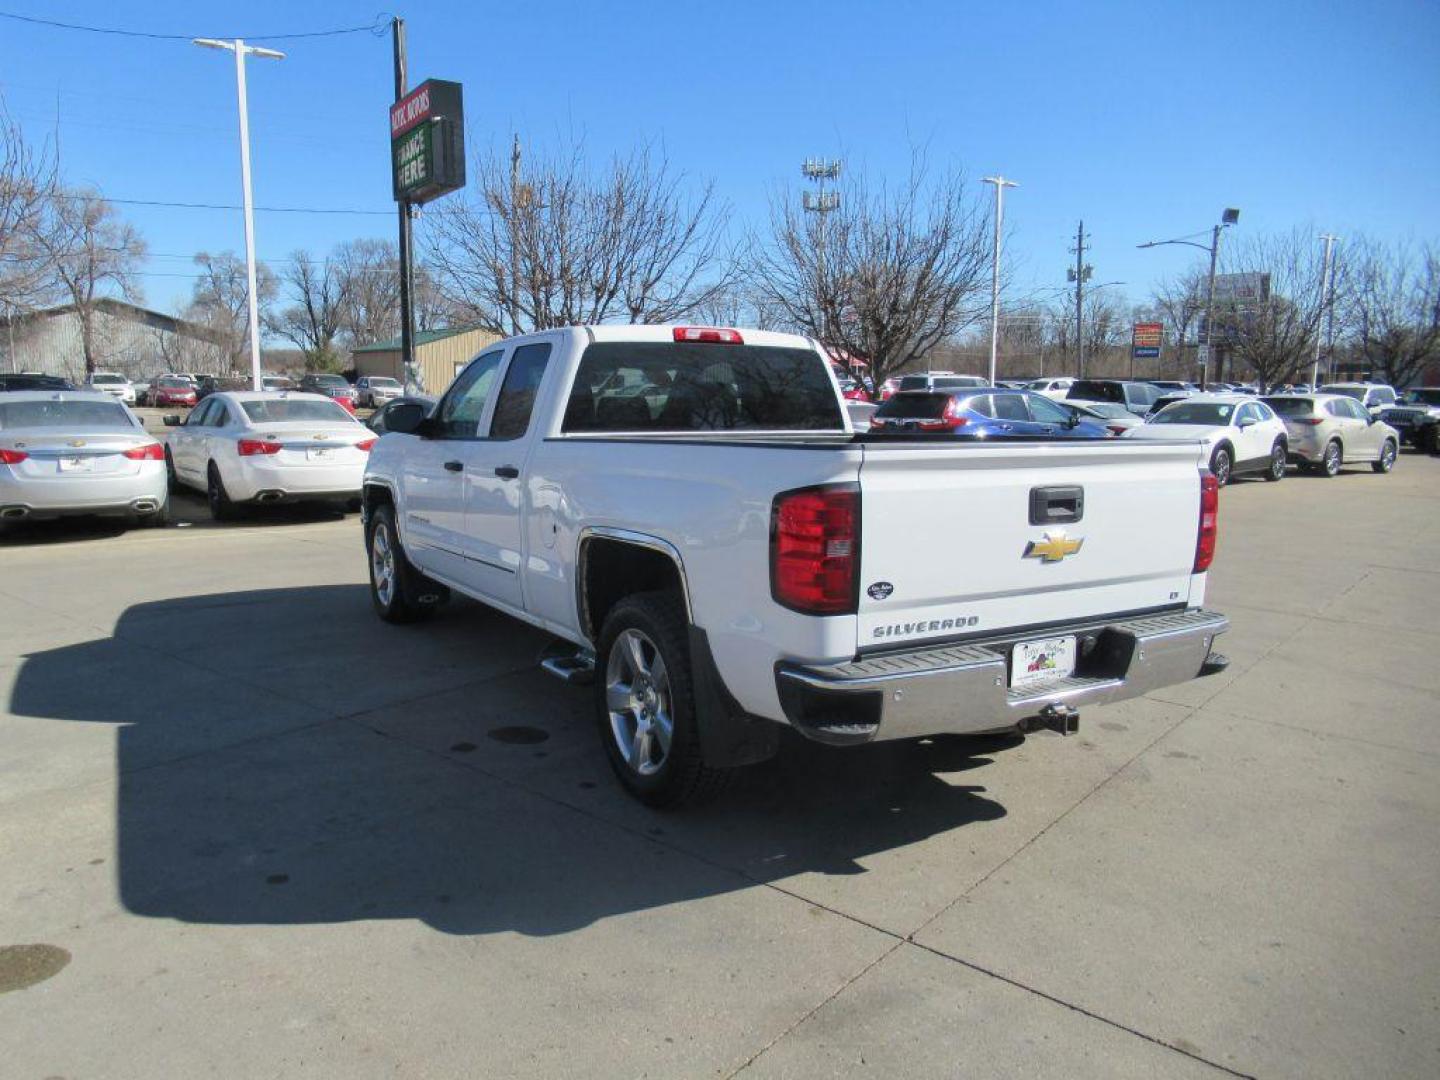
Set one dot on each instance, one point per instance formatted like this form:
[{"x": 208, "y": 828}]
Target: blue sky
[{"x": 1144, "y": 119}]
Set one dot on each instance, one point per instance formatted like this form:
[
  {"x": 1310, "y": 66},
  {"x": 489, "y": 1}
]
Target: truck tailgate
[{"x": 948, "y": 547}]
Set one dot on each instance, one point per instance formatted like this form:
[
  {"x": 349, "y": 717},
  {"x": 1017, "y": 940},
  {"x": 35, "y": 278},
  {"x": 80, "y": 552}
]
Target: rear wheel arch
[{"x": 612, "y": 564}]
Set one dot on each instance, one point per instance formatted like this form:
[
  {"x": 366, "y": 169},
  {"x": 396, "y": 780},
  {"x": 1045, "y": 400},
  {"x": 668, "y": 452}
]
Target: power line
[
  {"x": 377, "y": 28},
  {"x": 221, "y": 206}
]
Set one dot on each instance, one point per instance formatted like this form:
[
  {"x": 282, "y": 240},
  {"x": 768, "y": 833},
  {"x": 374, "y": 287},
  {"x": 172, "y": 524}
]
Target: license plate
[
  {"x": 1043, "y": 660},
  {"x": 320, "y": 453},
  {"x": 77, "y": 464}
]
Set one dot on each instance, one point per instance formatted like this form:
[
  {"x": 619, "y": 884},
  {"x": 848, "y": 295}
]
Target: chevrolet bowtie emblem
[
  {"x": 1053, "y": 548},
  {"x": 77, "y": 442}
]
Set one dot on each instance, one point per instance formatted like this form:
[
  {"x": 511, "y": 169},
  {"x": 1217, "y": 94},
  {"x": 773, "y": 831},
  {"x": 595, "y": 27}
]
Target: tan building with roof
[{"x": 439, "y": 354}]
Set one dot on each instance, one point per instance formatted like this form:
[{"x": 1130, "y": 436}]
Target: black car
[
  {"x": 214, "y": 384},
  {"x": 35, "y": 382},
  {"x": 1416, "y": 416}
]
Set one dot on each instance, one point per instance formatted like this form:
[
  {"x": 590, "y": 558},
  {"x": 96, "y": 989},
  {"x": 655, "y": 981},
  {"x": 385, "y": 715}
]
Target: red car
[
  {"x": 171, "y": 390},
  {"x": 332, "y": 386}
]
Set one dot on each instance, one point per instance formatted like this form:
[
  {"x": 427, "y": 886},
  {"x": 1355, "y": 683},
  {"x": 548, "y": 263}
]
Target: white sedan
[
  {"x": 269, "y": 447},
  {"x": 1243, "y": 434},
  {"x": 66, "y": 452}
]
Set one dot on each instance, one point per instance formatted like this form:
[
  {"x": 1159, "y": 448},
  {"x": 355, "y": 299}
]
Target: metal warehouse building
[{"x": 439, "y": 354}]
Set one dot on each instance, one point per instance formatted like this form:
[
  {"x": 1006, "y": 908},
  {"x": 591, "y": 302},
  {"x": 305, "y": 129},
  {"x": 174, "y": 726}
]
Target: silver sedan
[
  {"x": 74, "y": 452},
  {"x": 246, "y": 447}
]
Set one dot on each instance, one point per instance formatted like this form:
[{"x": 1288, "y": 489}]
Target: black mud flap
[{"x": 729, "y": 736}]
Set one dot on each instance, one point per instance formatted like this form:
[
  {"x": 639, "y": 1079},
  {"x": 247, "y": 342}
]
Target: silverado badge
[{"x": 1053, "y": 548}]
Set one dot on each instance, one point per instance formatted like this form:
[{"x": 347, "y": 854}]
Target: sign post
[{"x": 427, "y": 160}]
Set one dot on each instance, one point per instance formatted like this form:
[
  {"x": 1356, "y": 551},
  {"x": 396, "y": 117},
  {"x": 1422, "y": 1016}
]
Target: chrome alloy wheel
[
  {"x": 382, "y": 563},
  {"x": 637, "y": 694}
]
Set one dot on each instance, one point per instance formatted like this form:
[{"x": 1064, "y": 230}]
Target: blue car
[{"x": 983, "y": 414}]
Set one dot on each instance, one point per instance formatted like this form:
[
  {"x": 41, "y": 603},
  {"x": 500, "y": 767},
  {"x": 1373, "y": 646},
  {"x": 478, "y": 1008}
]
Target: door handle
[
  {"x": 507, "y": 472},
  {"x": 1006, "y": 427},
  {"x": 454, "y": 466}
]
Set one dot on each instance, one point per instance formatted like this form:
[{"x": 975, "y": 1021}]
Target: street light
[
  {"x": 1327, "y": 302},
  {"x": 1229, "y": 217},
  {"x": 241, "y": 50},
  {"x": 1000, "y": 185}
]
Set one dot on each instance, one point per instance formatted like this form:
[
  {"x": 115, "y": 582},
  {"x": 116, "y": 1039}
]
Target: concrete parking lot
[{"x": 263, "y": 834}]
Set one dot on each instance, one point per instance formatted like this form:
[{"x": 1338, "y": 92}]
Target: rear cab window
[{"x": 690, "y": 386}]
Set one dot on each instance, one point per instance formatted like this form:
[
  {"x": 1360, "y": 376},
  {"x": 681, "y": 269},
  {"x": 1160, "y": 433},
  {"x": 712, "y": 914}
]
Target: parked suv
[
  {"x": 112, "y": 383},
  {"x": 1330, "y": 430},
  {"x": 332, "y": 386},
  {"x": 375, "y": 390},
  {"x": 1374, "y": 396},
  {"x": 1138, "y": 397},
  {"x": 1416, "y": 417},
  {"x": 940, "y": 380}
]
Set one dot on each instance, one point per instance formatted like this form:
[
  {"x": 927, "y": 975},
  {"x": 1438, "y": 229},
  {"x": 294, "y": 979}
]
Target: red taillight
[
  {"x": 1209, "y": 522},
  {"x": 149, "y": 452},
  {"x": 1115, "y": 429},
  {"x": 709, "y": 335},
  {"x": 953, "y": 417},
  {"x": 1308, "y": 421},
  {"x": 12, "y": 457},
  {"x": 815, "y": 549},
  {"x": 365, "y": 444},
  {"x": 251, "y": 447}
]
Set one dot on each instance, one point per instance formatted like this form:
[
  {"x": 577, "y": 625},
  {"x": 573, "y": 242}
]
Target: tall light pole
[
  {"x": 1327, "y": 302},
  {"x": 1000, "y": 185},
  {"x": 821, "y": 203},
  {"x": 1231, "y": 216},
  {"x": 241, "y": 50}
]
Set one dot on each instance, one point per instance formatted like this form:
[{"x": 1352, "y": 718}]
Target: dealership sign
[
  {"x": 1145, "y": 340},
  {"x": 427, "y": 142},
  {"x": 1242, "y": 288}
]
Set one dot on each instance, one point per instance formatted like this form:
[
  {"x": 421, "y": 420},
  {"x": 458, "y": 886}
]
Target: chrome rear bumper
[{"x": 964, "y": 689}]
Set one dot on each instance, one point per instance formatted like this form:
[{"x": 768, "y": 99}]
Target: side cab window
[
  {"x": 517, "y": 394},
  {"x": 458, "y": 416}
]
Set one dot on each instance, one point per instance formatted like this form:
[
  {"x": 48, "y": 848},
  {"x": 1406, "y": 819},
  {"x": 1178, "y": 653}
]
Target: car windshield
[
  {"x": 296, "y": 410},
  {"x": 173, "y": 383},
  {"x": 914, "y": 406},
  {"x": 1356, "y": 392},
  {"x": 106, "y": 380},
  {"x": 66, "y": 414},
  {"x": 685, "y": 386},
  {"x": 1291, "y": 406},
  {"x": 384, "y": 382},
  {"x": 1423, "y": 397},
  {"x": 1206, "y": 413}
]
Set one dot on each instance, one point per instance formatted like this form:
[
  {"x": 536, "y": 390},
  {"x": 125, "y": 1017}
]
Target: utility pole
[
  {"x": 408, "y": 371},
  {"x": 1327, "y": 308},
  {"x": 1000, "y": 185},
  {"x": 1330, "y": 241},
  {"x": 515, "y": 201},
  {"x": 1079, "y": 275},
  {"x": 821, "y": 203}
]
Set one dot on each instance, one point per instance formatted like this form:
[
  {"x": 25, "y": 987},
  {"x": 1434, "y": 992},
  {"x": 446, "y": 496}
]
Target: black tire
[
  {"x": 1276, "y": 471},
  {"x": 664, "y": 776},
  {"x": 1221, "y": 463},
  {"x": 1334, "y": 457},
  {"x": 1387, "y": 457},
  {"x": 221, "y": 508},
  {"x": 410, "y": 596},
  {"x": 172, "y": 482}
]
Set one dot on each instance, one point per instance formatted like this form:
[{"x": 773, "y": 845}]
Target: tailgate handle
[{"x": 1056, "y": 505}]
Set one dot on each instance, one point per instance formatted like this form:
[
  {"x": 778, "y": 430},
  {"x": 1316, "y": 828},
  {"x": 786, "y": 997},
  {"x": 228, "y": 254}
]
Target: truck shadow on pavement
[{"x": 298, "y": 762}]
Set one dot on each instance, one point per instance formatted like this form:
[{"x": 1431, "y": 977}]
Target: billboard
[
  {"x": 427, "y": 142},
  {"x": 1145, "y": 340},
  {"x": 1242, "y": 288}
]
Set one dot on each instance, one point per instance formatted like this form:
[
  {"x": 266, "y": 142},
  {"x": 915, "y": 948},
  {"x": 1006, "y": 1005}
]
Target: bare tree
[
  {"x": 1178, "y": 302},
  {"x": 314, "y": 320},
  {"x": 1394, "y": 308},
  {"x": 90, "y": 252},
  {"x": 221, "y": 302},
  {"x": 27, "y": 181},
  {"x": 887, "y": 275},
  {"x": 369, "y": 272},
  {"x": 1274, "y": 337},
  {"x": 546, "y": 242}
]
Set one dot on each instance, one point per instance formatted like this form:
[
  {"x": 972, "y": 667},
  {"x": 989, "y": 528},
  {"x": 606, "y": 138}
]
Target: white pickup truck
[{"x": 686, "y": 506}]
